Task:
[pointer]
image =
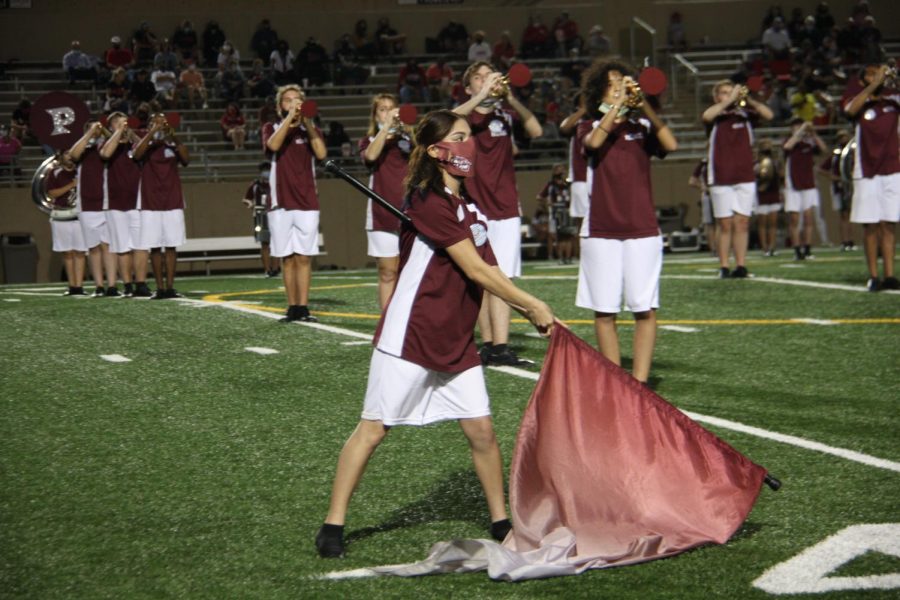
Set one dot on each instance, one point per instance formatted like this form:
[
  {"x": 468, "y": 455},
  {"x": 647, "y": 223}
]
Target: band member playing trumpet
[
  {"x": 385, "y": 150},
  {"x": 68, "y": 238},
  {"x": 801, "y": 196},
  {"x": 621, "y": 246},
  {"x": 841, "y": 194},
  {"x": 161, "y": 205},
  {"x": 493, "y": 188},
  {"x": 91, "y": 197},
  {"x": 732, "y": 183},
  {"x": 876, "y": 170},
  {"x": 768, "y": 196},
  {"x": 293, "y": 145},
  {"x": 123, "y": 180}
]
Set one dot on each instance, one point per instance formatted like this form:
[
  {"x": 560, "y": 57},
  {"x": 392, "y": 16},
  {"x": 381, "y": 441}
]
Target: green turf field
[{"x": 200, "y": 469}]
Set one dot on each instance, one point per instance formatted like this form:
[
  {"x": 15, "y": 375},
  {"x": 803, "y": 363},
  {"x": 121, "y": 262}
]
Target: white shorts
[
  {"x": 729, "y": 199},
  {"x": 505, "y": 237},
  {"x": 768, "y": 209},
  {"x": 67, "y": 235},
  {"x": 609, "y": 268},
  {"x": 161, "y": 229},
  {"x": 94, "y": 228},
  {"x": 876, "y": 199},
  {"x": 294, "y": 232},
  {"x": 800, "y": 200},
  {"x": 383, "y": 244},
  {"x": 578, "y": 206},
  {"x": 124, "y": 230},
  {"x": 706, "y": 209},
  {"x": 404, "y": 393}
]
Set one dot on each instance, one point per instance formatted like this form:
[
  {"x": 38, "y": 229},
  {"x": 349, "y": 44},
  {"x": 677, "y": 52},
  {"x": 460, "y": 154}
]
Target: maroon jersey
[
  {"x": 258, "y": 193},
  {"x": 90, "y": 180},
  {"x": 832, "y": 164},
  {"x": 387, "y": 174},
  {"x": 577, "y": 161},
  {"x": 800, "y": 165},
  {"x": 768, "y": 189},
  {"x": 123, "y": 179},
  {"x": 877, "y": 151},
  {"x": 430, "y": 319},
  {"x": 58, "y": 178},
  {"x": 160, "y": 187},
  {"x": 621, "y": 197},
  {"x": 731, "y": 147},
  {"x": 292, "y": 178},
  {"x": 493, "y": 187}
]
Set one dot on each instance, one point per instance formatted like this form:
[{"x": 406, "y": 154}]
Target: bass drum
[{"x": 43, "y": 200}]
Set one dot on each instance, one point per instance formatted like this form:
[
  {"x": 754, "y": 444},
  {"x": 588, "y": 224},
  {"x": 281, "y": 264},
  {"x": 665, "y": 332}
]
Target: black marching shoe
[
  {"x": 330, "y": 541},
  {"x": 484, "y": 353},
  {"x": 99, "y": 292},
  {"x": 303, "y": 315},
  {"x": 502, "y": 356},
  {"x": 291, "y": 314},
  {"x": 798, "y": 253},
  {"x": 890, "y": 283},
  {"x": 172, "y": 293},
  {"x": 74, "y": 291},
  {"x": 112, "y": 292},
  {"x": 740, "y": 272},
  {"x": 128, "y": 292},
  {"x": 873, "y": 284},
  {"x": 500, "y": 529},
  {"x": 141, "y": 290},
  {"x": 724, "y": 273}
]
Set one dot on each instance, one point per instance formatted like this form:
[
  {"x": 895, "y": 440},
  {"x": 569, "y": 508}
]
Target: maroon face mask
[{"x": 457, "y": 158}]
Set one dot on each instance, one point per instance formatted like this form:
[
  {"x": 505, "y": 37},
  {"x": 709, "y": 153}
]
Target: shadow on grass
[{"x": 457, "y": 498}]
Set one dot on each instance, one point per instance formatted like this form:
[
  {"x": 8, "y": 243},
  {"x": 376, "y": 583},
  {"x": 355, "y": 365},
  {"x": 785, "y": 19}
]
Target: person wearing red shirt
[
  {"x": 876, "y": 171},
  {"x": 232, "y": 124},
  {"x": 385, "y": 151},
  {"x": 621, "y": 246},
  {"x": 161, "y": 206},
  {"x": 439, "y": 76},
  {"x": 841, "y": 193},
  {"x": 504, "y": 52},
  {"x": 66, "y": 234},
  {"x": 123, "y": 180},
  {"x": 293, "y": 145},
  {"x": 732, "y": 183},
  {"x": 801, "y": 196},
  {"x": 425, "y": 367},
  {"x": 117, "y": 56},
  {"x": 535, "y": 38},
  {"x": 493, "y": 188}
]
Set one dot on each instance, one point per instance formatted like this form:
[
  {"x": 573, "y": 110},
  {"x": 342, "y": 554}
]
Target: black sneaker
[
  {"x": 798, "y": 253},
  {"x": 508, "y": 358},
  {"x": 303, "y": 315},
  {"x": 112, "y": 292},
  {"x": 500, "y": 529},
  {"x": 291, "y": 315},
  {"x": 890, "y": 283},
  {"x": 172, "y": 293},
  {"x": 724, "y": 273},
  {"x": 99, "y": 292},
  {"x": 141, "y": 290},
  {"x": 128, "y": 292},
  {"x": 74, "y": 291},
  {"x": 485, "y": 353},
  {"x": 158, "y": 295},
  {"x": 873, "y": 285},
  {"x": 330, "y": 541},
  {"x": 740, "y": 272}
]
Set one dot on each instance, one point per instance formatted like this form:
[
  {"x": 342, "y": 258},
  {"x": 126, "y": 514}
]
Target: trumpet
[
  {"x": 396, "y": 126},
  {"x": 501, "y": 88},
  {"x": 634, "y": 96},
  {"x": 167, "y": 129},
  {"x": 743, "y": 93}
]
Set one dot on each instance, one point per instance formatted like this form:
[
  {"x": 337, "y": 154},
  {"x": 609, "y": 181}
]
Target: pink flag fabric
[{"x": 605, "y": 473}]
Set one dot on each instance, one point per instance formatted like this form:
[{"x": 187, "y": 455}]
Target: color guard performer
[{"x": 293, "y": 145}]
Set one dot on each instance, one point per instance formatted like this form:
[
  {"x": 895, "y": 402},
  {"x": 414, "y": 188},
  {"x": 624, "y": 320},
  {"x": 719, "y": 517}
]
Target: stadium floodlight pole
[{"x": 334, "y": 168}]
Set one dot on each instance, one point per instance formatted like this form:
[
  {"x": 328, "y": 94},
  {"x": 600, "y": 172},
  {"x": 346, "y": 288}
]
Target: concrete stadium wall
[{"x": 43, "y": 32}]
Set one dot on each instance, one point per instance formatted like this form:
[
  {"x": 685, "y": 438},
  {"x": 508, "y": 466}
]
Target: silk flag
[{"x": 605, "y": 473}]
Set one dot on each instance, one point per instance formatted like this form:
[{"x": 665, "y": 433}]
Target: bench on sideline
[{"x": 209, "y": 249}]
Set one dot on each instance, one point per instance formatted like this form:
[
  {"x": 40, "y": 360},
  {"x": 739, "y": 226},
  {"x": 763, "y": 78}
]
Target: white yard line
[
  {"x": 816, "y": 321},
  {"x": 795, "y": 282},
  {"x": 679, "y": 328},
  {"x": 259, "y": 350},
  {"x": 12, "y": 299},
  {"x": 115, "y": 358}
]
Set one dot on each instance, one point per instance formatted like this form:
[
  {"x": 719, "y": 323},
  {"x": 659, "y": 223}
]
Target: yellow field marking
[{"x": 280, "y": 290}]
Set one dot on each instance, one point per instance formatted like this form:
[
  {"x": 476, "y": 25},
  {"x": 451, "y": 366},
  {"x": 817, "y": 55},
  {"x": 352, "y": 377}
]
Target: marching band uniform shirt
[
  {"x": 577, "y": 161},
  {"x": 123, "y": 179},
  {"x": 58, "y": 178},
  {"x": 387, "y": 174},
  {"x": 767, "y": 191},
  {"x": 731, "y": 147},
  {"x": 90, "y": 180},
  {"x": 430, "y": 319},
  {"x": 258, "y": 193},
  {"x": 876, "y": 136},
  {"x": 621, "y": 197},
  {"x": 160, "y": 187},
  {"x": 292, "y": 178},
  {"x": 493, "y": 187},
  {"x": 832, "y": 164},
  {"x": 800, "y": 166}
]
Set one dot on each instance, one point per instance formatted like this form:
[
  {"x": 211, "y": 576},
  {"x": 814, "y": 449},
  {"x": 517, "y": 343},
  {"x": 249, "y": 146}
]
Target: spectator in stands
[
  {"x": 337, "y": 140},
  {"x": 870, "y": 47},
  {"x": 191, "y": 80},
  {"x": 824, "y": 21},
  {"x": 438, "y": 77},
  {"x": 142, "y": 89},
  {"x": 808, "y": 31},
  {"x": 165, "y": 82},
  {"x": 453, "y": 38},
  {"x": 79, "y": 65},
  {"x": 569, "y": 29},
  {"x": 795, "y": 24},
  {"x": 144, "y": 43},
  {"x": 185, "y": 43},
  {"x": 598, "y": 44},
  {"x": 504, "y": 52},
  {"x": 259, "y": 84},
  {"x": 389, "y": 41},
  {"x": 535, "y": 38},
  {"x": 20, "y": 125},
  {"x": 231, "y": 84},
  {"x": 479, "y": 50},
  {"x": 570, "y": 72},
  {"x": 213, "y": 38},
  {"x": 233, "y": 126},
  {"x": 803, "y": 103},
  {"x": 348, "y": 71},
  {"x": 264, "y": 40},
  {"x": 117, "y": 56},
  {"x": 142, "y": 113},
  {"x": 411, "y": 82},
  {"x": 282, "y": 63},
  {"x": 776, "y": 41},
  {"x": 779, "y": 103},
  {"x": 773, "y": 13},
  {"x": 267, "y": 113},
  {"x": 312, "y": 64},
  {"x": 364, "y": 46},
  {"x": 228, "y": 55},
  {"x": 116, "y": 92},
  {"x": 166, "y": 59},
  {"x": 9, "y": 150},
  {"x": 675, "y": 34}
]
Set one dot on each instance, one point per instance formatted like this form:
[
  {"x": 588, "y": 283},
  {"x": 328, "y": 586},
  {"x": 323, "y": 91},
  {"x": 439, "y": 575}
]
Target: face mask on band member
[
  {"x": 457, "y": 158},
  {"x": 623, "y": 110}
]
